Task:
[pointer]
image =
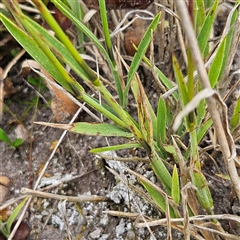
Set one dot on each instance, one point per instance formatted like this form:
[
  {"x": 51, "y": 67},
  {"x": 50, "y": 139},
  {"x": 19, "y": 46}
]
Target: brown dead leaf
[
  {"x": 8, "y": 89},
  {"x": 22, "y": 232},
  {"x": 4, "y": 188},
  {"x": 62, "y": 106}
]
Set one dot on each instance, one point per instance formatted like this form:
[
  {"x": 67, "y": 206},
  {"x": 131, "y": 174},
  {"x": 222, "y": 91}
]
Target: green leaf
[
  {"x": 161, "y": 126},
  {"x": 14, "y": 215},
  {"x": 175, "y": 185},
  {"x": 182, "y": 87},
  {"x": 229, "y": 40},
  {"x": 203, "y": 128},
  {"x": 58, "y": 49},
  {"x": 4, "y": 137},
  {"x": 158, "y": 198},
  {"x": 201, "y": 112},
  {"x": 161, "y": 121},
  {"x": 170, "y": 149},
  {"x": 199, "y": 14},
  {"x": 217, "y": 64},
  {"x": 94, "y": 129},
  {"x": 180, "y": 81},
  {"x": 202, "y": 190},
  {"x": 116, "y": 147},
  {"x": 204, "y": 34},
  {"x": 161, "y": 172},
  {"x": 235, "y": 120},
  {"x": 17, "y": 142},
  {"x": 100, "y": 129},
  {"x": 79, "y": 14},
  {"x": 157, "y": 194}
]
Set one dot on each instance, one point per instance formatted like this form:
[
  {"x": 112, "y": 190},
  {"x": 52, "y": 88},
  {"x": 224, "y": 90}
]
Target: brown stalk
[{"x": 223, "y": 137}]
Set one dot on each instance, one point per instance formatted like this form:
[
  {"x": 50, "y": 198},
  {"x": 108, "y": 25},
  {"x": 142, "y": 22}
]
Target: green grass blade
[
  {"x": 175, "y": 186},
  {"x": 204, "y": 34},
  {"x": 104, "y": 20},
  {"x": 158, "y": 195},
  {"x": 67, "y": 12},
  {"x": 142, "y": 48},
  {"x": 202, "y": 190},
  {"x": 99, "y": 129},
  {"x": 181, "y": 83},
  {"x": 158, "y": 198},
  {"x": 116, "y": 147},
  {"x": 161, "y": 126},
  {"x": 65, "y": 40},
  {"x": 182, "y": 87},
  {"x": 235, "y": 120},
  {"x": 161, "y": 172},
  {"x": 33, "y": 49},
  {"x": 203, "y": 128},
  {"x": 14, "y": 215},
  {"x": 58, "y": 49},
  {"x": 199, "y": 14},
  {"x": 146, "y": 116},
  {"x": 79, "y": 14},
  {"x": 55, "y": 69},
  {"x": 217, "y": 64},
  {"x": 229, "y": 38}
]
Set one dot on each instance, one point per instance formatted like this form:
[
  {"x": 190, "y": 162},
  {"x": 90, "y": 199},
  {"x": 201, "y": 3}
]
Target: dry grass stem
[
  {"x": 223, "y": 137},
  {"x": 81, "y": 198},
  {"x": 195, "y": 218}
]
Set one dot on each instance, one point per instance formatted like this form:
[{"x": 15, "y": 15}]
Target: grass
[{"x": 155, "y": 130}]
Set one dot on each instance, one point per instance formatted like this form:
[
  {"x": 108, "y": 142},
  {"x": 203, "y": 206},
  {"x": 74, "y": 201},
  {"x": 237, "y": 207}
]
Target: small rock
[{"x": 95, "y": 234}]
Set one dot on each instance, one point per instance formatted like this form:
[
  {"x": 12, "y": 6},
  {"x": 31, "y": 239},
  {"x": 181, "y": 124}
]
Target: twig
[{"x": 81, "y": 198}]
